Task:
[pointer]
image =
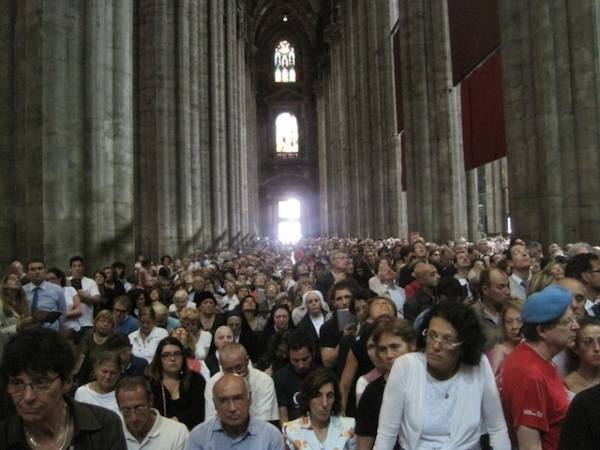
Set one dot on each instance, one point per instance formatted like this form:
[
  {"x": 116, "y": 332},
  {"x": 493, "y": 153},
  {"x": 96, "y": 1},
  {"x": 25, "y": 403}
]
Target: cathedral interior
[{"x": 158, "y": 126}]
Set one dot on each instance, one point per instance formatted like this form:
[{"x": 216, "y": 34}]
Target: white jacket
[{"x": 478, "y": 410}]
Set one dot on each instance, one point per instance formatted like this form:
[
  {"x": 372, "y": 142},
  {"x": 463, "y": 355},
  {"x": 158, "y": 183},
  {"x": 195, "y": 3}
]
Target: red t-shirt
[{"x": 533, "y": 395}]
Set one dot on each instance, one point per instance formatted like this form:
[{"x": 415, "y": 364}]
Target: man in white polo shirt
[
  {"x": 88, "y": 292},
  {"x": 143, "y": 426}
]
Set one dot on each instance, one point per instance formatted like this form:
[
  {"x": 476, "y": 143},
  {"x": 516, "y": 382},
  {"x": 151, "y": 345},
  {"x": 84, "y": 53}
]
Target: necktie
[{"x": 34, "y": 303}]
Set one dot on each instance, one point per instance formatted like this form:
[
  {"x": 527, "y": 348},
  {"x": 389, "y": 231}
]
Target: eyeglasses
[
  {"x": 37, "y": 385},
  {"x": 167, "y": 355},
  {"x": 133, "y": 410},
  {"x": 594, "y": 271},
  {"x": 446, "y": 343}
]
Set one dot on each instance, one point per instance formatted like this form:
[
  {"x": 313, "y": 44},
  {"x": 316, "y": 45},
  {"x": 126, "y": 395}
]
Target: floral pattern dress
[{"x": 299, "y": 435}]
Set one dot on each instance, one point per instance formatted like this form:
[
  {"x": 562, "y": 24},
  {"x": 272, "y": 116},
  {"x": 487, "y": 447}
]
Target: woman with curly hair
[
  {"x": 178, "y": 392},
  {"x": 445, "y": 396}
]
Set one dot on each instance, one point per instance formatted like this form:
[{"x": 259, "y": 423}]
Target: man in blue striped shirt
[{"x": 44, "y": 296}]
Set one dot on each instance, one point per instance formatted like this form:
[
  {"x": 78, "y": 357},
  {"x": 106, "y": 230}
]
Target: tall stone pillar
[
  {"x": 436, "y": 189},
  {"x": 157, "y": 153},
  {"x": 551, "y": 56},
  {"x": 67, "y": 68},
  {"x": 219, "y": 187}
]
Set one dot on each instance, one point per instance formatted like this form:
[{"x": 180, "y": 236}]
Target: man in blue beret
[{"x": 533, "y": 395}]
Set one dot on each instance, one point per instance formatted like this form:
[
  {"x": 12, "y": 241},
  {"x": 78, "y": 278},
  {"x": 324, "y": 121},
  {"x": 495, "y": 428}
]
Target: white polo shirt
[
  {"x": 166, "y": 434},
  {"x": 87, "y": 311},
  {"x": 146, "y": 348}
]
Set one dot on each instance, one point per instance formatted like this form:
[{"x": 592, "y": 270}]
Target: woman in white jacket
[{"x": 444, "y": 398}]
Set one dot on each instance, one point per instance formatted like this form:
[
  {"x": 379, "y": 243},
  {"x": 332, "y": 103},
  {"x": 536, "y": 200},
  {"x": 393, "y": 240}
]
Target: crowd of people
[{"x": 326, "y": 344}]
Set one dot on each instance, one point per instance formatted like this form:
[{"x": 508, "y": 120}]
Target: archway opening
[{"x": 289, "y": 228}]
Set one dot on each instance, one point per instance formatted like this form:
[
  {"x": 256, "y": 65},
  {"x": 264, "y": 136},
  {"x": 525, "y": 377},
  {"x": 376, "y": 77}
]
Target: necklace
[{"x": 63, "y": 440}]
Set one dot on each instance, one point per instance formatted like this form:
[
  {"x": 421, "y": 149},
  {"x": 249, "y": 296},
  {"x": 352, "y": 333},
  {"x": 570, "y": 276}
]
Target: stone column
[
  {"x": 123, "y": 161},
  {"x": 219, "y": 189},
  {"x": 435, "y": 171},
  {"x": 182, "y": 94},
  {"x": 157, "y": 152},
  {"x": 68, "y": 175},
  {"x": 552, "y": 99},
  {"x": 205, "y": 128}
]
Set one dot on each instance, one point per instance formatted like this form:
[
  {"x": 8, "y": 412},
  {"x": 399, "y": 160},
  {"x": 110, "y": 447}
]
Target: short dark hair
[
  {"x": 297, "y": 340},
  {"x": 135, "y": 293},
  {"x": 123, "y": 299},
  {"x": 464, "y": 320},
  {"x": 310, "y": 389},
  {"x": 38, "y": 351},
  {"x": 347, "y": 283},
  {"x": 578, "y": 264},
  {"x": 35, "y": 260},
  {"x": 131, "y": 384},
  {"x": 118, "y": 265},
  {"x": 74, "y": 259},
  {"x": 117, "y": 341}
]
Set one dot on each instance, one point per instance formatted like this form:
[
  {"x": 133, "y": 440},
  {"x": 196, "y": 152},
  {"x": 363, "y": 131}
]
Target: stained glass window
[
  {"x": 286, "y": 132},
  {"x": 285, "y": 63}
]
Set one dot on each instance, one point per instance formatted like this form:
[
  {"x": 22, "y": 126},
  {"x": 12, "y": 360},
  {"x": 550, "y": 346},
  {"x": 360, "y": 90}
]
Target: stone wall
[{"x": 124, "y": 129}]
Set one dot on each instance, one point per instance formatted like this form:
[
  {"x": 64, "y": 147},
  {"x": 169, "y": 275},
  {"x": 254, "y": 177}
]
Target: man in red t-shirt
[{"x": 533, "y": 396}]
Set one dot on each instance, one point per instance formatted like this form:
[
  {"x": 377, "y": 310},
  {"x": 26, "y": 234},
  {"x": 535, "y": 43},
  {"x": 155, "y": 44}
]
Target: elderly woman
[
  {"x": 320, "y": 426},
  {"x": 223, "y": 336},
  {"x": 191, "y": 320},
  {"x": 101, "y": 391},
  {"x": 180, "y": 302},
  {"x": 95, "y": 343},
  {"x": 446, "y": 396},
  {"x": 37, "y": 368},
  {"x": 177, "y": 391},
  {"x": 145, "y": 340},
  {"x": 315, "y": 316}
]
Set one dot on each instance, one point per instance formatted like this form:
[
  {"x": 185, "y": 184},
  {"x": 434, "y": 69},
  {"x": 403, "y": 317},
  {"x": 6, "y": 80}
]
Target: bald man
[
  {"x": 234, "y": 426},
  {"x": 234, "y": 360}
]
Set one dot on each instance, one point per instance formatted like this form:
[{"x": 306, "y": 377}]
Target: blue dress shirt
[
  {"x": 50, "y": 298},
  {"x": 210, "y": 435}
]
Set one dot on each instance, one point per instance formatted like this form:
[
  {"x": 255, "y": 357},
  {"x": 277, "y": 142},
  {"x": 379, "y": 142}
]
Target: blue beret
[{"x": 546, "y": 305}]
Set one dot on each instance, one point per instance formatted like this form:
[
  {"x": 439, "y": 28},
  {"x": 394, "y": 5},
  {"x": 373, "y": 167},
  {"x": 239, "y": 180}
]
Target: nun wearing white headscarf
[{"x": 317, "y": 312}]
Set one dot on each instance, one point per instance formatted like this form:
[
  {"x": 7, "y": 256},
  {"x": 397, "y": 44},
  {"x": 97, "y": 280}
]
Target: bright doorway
[{"x": 289, "y": 229}]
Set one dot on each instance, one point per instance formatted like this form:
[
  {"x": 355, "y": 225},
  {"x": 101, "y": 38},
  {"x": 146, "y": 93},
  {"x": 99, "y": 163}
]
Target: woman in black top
[{"x": 178, "y": 392}]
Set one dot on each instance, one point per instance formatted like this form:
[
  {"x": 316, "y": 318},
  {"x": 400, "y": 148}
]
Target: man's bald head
[
  {"x": 231, "y": 397},
  {"x": 426, "y": 274},
  {"x": 232, "y": 382},
  {"x": 234, "y": 359}
]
